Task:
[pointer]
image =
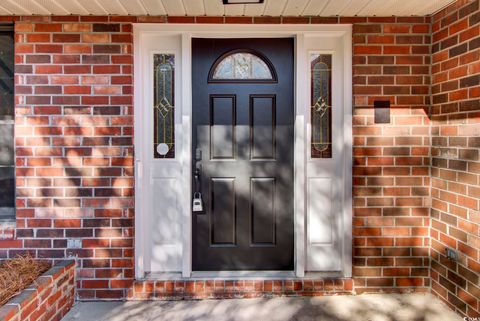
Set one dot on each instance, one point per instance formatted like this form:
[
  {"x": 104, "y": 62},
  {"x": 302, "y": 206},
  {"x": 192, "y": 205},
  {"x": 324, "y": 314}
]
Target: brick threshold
[
  {"x": 217, "y": 288},
  {"x": 243, "y": 275}
]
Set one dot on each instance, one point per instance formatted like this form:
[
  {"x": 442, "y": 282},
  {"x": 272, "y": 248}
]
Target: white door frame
[{"x": 184, "y": 106}]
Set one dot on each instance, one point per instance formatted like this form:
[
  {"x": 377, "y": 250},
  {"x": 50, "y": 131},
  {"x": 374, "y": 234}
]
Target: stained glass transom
[
  {"x": 242, "y": 66},
  {"x": 164, "y": 106},
  {"x": 321, "y": 105}
]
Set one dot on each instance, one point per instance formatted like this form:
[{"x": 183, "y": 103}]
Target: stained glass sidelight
[
  {"x": 164, "y": 106},
  {"x": 242, "y": 66},
  {"x": 321, "y": 105}
]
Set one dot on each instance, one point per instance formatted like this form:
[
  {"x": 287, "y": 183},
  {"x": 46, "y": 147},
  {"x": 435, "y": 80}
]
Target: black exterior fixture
[
  {"x": 382, "y": 111},
  {"x": 242, "y": 1}
]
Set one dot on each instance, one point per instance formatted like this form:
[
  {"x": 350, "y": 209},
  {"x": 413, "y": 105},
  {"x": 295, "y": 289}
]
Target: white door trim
[
  {"x": 301, "y": 103},
  {"x": 184, "y": 106}
]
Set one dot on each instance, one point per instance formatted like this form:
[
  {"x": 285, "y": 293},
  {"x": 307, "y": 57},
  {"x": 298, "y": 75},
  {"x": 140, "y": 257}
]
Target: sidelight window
[
  {"x": 164, "y": 105},
  {"x": 242, "y": 66},
  {"x": 7, "y": 161},
  {"x": 321, "y": 105}
]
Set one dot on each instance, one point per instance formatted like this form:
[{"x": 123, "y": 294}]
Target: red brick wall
[
  {"x": 455, "y": 156},
  {"x": 50, "y": 297},
  {"x": 74, "y": 146},
  {"x": 391, "y": 161}
]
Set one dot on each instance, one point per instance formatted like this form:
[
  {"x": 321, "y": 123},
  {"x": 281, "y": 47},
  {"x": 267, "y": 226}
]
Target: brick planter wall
[
  {"x": 456, "y": 156},
  {"x": 50, "y": 297}
]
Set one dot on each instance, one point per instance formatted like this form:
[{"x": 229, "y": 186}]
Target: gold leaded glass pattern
[
  {"x": 164, "y": 107},
  {"x": 242, "y": 66},
  {"x": 321, "y": 105}
]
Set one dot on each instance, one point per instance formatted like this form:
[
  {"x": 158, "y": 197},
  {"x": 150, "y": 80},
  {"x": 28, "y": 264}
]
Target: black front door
[{"x": 243, "y": 143}]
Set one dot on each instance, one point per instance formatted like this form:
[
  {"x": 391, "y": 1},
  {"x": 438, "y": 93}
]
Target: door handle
[
  {"x": 197, "y": 203},
  {"x": 198, "y": 169},
  {"x": 196, "y": 176}
]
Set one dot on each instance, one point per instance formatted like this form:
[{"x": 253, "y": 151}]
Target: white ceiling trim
[{"x": 216, "y": 8}]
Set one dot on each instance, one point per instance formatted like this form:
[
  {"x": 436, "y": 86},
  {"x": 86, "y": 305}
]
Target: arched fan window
[{"x": 242, "y": 65}]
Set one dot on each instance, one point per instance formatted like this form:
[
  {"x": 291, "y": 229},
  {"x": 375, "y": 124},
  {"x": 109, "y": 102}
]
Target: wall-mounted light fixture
[{"x": 242, "y": 1}]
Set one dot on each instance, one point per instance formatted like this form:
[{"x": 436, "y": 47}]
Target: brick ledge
[{"x": 49, "y": 297}]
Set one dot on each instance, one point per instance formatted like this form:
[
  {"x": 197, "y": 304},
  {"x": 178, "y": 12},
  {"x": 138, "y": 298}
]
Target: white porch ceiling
[{"x": 216, "y": 8}]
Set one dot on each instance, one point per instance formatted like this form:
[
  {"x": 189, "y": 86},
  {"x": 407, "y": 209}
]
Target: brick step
[{"x": 225, "y": 289}]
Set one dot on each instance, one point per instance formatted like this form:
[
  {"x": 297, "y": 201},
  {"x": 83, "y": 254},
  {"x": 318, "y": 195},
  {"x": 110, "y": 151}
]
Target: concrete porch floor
[{"x": 375, "y": 307}]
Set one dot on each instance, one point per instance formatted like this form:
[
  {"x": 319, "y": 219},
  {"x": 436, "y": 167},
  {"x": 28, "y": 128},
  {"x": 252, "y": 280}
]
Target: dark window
[{"x": 7, "y": 117}]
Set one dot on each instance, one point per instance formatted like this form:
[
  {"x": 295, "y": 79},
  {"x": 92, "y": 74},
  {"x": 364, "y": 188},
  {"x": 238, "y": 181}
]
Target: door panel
[
  {"x": 243, "y": 143},
  {"x": 325, "y": 171},
  {"x": 263, "y": 223},
  {"x": 320, "y": 226},
  {"x": 262, "y": 124},
  {"x": 222, "y": 221},
  {"x": 222, "y": 124}
]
